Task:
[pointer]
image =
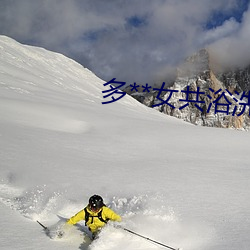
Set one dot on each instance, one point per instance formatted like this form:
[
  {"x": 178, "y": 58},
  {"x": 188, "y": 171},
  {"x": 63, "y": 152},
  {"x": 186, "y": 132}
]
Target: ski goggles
[{"x": 94, "y": 208}]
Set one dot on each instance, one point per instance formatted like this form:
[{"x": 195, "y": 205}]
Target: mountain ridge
[{"x": 199, "y": 72}]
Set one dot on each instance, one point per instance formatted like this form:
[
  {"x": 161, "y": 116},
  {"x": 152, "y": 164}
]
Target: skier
[{"x": 95, "y": 214}]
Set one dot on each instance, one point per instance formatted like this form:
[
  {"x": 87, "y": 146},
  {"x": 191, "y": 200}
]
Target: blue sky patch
[
  {"x": 136, "y": 21},
  {"x": 219, "y": 17}
]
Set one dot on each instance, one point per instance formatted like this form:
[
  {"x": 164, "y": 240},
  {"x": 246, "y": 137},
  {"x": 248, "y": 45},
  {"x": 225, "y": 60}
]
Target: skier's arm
[
  {"x": 110, "y": 214},
  {"x": 77, "y": 217}
]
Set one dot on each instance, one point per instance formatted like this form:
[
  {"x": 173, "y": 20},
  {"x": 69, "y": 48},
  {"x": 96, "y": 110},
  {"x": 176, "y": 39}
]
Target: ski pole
[
  {"x": 146, "y": 238},
  {"x": 45, "y": 228}
]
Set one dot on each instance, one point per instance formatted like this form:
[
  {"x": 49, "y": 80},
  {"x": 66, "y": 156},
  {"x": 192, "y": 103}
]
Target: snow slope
[{"x": 176, "y": 183}]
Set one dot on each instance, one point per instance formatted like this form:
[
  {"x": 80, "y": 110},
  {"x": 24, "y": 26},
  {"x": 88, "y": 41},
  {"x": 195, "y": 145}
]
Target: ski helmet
[{"x": 95, "y": 202}]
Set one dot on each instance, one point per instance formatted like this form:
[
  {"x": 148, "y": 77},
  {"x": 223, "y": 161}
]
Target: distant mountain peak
[{"x": 200, "y": 72}]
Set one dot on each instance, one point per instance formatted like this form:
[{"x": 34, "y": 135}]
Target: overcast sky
[{"x": 132, "y": 40}]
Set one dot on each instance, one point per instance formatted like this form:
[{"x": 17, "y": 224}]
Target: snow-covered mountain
[
  {"x": 182, "y": 185},
  {"x": 219, "y": 97}
]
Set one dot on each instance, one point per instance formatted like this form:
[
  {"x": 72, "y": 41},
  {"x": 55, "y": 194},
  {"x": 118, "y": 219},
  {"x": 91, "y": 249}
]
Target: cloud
[
  {"x": 228, "y": 28},
  {"x": 135, "y": 41},
  {"x": 233, "y": 49}
]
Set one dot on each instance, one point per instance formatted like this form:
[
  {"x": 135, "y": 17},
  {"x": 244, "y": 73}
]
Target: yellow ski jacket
[{"x": 94, "y": 223}]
